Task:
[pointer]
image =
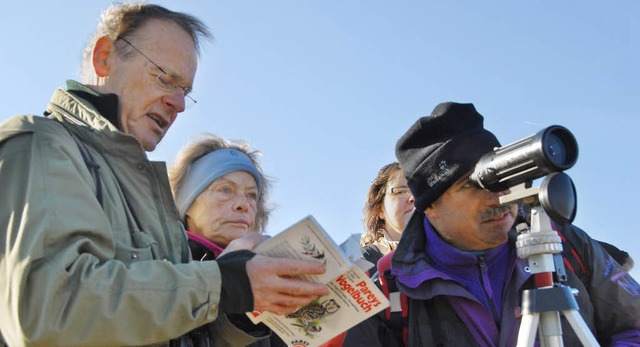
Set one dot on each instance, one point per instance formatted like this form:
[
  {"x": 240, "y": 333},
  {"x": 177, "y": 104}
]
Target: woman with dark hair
[{"x": 387, "y": 209}]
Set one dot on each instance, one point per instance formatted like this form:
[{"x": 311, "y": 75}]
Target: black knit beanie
[{"x": 439, "y": 149}]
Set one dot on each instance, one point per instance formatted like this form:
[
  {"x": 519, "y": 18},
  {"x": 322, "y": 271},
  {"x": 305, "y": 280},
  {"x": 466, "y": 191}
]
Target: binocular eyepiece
[{"x": 553, "y": 149}]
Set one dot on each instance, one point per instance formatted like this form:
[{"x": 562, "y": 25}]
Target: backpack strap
[
  {"x": 571, "y": 258},
  {"x": 94, "y": 168},
  {"x": 397, "y": 313}
]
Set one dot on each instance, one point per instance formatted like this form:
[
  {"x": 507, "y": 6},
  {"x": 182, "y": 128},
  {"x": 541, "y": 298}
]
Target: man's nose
[{"x": 175, "y": 99}]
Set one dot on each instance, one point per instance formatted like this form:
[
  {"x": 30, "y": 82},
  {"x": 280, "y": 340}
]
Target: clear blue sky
[{"x": 325, "y": 88}]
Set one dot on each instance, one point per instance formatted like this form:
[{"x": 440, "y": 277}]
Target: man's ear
[{"x": 102, "y": 51}]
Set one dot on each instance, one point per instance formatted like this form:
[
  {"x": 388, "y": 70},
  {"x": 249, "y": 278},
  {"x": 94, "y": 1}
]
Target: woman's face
[
  {"x": 397, "y": 205},
  {"x": 226, "y": 210}
]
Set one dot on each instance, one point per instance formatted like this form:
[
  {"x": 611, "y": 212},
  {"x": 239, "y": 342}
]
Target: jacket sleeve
[
  {"x": 372, "y": 332},
  {"x": 61, "y": 281},
  {"x": 614, "y": 294}
]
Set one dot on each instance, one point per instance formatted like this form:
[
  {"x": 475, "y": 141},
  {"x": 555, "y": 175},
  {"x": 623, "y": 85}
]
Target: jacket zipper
[{"x": 483, "y": 277}]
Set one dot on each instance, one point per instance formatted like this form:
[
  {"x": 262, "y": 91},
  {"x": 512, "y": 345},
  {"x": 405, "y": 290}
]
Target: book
[{"x": 352, "y": 297}]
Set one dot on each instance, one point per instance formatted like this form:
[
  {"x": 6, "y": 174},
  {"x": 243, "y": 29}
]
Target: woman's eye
[{"x": 225, "y": 190}]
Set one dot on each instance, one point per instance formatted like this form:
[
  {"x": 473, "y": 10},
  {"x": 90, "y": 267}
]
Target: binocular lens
[
  {"x": 560, "y": 148},
  {"x": 556, "y": 151}
]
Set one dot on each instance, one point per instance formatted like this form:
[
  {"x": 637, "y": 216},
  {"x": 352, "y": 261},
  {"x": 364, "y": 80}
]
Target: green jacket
[{"x": 73, "y": 272}]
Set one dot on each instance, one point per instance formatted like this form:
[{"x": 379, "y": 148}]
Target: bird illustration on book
[{"x": 310, "y": 317}]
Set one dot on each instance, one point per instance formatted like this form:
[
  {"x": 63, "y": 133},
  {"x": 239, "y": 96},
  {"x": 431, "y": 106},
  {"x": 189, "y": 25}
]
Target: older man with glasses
[{"x": 91, "y": 248}]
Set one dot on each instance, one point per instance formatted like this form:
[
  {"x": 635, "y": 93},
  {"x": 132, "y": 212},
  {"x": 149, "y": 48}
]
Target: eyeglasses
[
  {"x": 166, "y": 82},
  {"x": 401, "y": 192}
]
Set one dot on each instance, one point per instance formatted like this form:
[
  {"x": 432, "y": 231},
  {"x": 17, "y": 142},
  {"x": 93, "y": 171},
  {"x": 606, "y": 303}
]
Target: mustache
[{"x": 495, "y": 212}]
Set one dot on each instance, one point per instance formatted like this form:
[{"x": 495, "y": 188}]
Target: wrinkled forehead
[{"x": 168, "y": 45}]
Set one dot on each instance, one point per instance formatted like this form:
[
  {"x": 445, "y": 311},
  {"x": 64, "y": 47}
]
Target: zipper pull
[{"x": 481, "y": 261}]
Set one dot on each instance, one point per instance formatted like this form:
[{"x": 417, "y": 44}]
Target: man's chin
[
  {"x": 149, "y": 148},
  {"x": 150, "y": 143}
]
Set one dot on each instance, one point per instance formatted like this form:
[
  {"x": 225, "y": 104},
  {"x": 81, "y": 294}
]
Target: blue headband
[{"x": 208, "y": 169}]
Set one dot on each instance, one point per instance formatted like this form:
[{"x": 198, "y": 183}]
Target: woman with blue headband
[{"x": 221, "y": 193}]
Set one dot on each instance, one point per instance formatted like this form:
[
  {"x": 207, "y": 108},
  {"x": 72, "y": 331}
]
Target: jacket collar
[
  {"x": 413, "y": 265},
  {"x": 208, "y": 250},
  {"x": 86, "y": 121},
  {"x": 106, "y": 104}
]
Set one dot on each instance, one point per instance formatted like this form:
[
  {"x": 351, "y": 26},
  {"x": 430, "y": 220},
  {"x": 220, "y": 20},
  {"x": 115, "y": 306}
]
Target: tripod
[{"x": 541, "y": 246}]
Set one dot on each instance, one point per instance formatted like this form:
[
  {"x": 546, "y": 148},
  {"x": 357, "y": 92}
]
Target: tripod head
[{"x": 554, "y": 199}]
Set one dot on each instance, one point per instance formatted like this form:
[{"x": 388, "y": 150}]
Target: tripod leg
[
  {"x": 528, "y": 329},
  {"x": 550, "y": 329},
  {"x": 580, "y": 328}
]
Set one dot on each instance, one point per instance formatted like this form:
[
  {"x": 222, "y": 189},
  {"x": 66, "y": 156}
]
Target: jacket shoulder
[{"x": 28, "y": 124}]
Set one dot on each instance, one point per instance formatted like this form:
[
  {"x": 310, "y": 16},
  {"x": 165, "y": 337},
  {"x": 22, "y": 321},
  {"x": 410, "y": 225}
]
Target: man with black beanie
[{"x": 456, "y": 261}]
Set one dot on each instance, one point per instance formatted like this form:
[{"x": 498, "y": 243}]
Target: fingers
[
  {"x": 275, "y": 285},
  {"x": 294, "y": 267}
]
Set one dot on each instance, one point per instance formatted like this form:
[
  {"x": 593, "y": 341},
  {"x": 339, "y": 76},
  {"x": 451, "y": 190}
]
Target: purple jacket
[{"x": 482, "y": 294}]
